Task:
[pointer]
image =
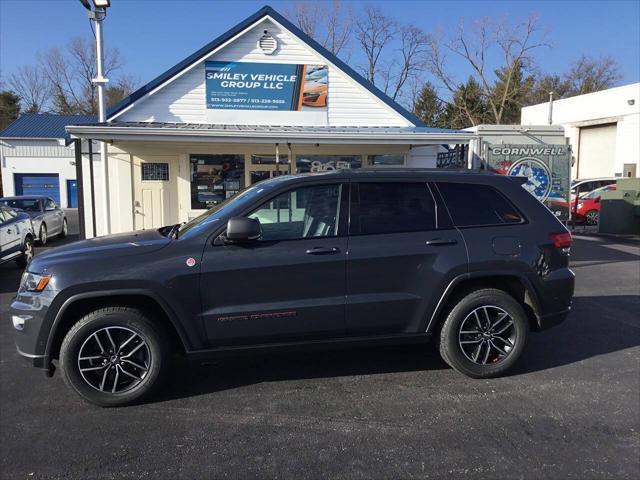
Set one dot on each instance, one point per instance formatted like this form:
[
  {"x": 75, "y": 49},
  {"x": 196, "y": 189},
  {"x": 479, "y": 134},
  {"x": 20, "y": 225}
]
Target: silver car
[
  {"x": 48, "y": 218},
  {"x": 16, "y": 237}
]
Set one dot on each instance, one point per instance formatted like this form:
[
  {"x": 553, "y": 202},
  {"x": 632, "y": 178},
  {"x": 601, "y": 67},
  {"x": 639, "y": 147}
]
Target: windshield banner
[{"x": 265, "y": 86}]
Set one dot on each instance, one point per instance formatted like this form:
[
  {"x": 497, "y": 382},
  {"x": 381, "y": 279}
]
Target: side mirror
[
  {"x": 242, "y": 229},
  {"x": 596, "y": 200}
]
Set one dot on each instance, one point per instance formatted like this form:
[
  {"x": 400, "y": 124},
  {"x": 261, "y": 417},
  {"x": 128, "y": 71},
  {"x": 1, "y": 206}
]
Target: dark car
[
  {"x": 327, "y": 259},
  {"x": 16, "y": 237},
  {"x": 48, "y": 218}
]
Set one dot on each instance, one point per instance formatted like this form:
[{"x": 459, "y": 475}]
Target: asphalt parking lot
[{"x": 570, "y": 410}]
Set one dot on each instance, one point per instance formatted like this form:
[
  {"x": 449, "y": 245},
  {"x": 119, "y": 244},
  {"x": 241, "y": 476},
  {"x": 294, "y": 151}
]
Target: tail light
[{"x": 561, "y": 239}]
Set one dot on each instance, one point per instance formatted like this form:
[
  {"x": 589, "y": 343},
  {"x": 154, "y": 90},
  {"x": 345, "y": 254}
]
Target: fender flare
[
  {"x": 446, "y": 293},
  {"x": 112, "y": 293}
]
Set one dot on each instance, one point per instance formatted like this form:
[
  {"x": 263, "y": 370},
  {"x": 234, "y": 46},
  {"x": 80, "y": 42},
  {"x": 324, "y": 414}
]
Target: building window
[
  {"x": 215, "y": 178},
  {"x": 307, "y": 212},
  {"x": 155, "y": 172},
  {"x": 324, "y": 163},
  {"x": 380, "y": 208},
  {"x": 385, "y": 160}
]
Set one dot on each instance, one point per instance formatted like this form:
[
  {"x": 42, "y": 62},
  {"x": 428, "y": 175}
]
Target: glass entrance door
[{"x": 264, "y": 167}]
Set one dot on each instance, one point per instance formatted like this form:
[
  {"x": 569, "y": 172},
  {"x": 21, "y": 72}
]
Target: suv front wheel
[
  {"x": 484, "y": 334},
  {"x": 114, "y": 356}
]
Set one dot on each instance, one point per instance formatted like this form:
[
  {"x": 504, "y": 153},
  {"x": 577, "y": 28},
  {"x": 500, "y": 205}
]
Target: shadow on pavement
[
  {"x": 596, "y": 326},
  {"x": 597, "y": 251}
]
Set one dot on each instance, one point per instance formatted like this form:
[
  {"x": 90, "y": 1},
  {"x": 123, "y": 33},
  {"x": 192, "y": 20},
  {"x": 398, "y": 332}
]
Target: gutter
[{"x": 177, "y": 134}]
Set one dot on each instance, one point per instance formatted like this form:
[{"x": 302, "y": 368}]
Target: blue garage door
[
  {"x": 38, "y": 184},
  {"x": 72, "y": 194}
]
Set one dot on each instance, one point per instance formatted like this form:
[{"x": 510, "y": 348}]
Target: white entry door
[{"x": 154, "y": 197}]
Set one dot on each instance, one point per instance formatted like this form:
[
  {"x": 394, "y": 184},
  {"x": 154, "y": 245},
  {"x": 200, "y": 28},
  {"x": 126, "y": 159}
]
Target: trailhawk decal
[{"x": 257, "y": 316}]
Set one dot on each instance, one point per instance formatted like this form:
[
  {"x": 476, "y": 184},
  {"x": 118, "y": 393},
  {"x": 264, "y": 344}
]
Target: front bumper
[{"x": 31, "y": 311}]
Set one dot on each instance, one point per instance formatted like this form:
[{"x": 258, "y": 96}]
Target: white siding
[
  {"x": 619, "y": 105},
  {"x": 183, "y": 99}
]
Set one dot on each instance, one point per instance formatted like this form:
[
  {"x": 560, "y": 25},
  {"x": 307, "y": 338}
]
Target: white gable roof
[{"x": 181, "y": 97}]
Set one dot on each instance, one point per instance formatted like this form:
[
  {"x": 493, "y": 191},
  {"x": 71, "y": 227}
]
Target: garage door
[
  {"x": 597, "y": 154},
  {"x": 38, "y": 184}
]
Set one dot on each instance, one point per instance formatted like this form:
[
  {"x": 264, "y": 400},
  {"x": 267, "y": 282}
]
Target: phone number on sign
[{"x": 248, "y": 100}]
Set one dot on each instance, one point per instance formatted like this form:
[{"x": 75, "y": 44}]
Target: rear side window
[
  {"x": 391, "y": 208},
  {"x": 474, "y": 205}
]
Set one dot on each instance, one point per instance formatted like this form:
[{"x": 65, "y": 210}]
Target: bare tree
[
  {"x": 513, "y": 45},
  {"x": 374, "y": 32},
  {"x": 589, "y": 75},
  {"x": 124, "y": 86},
  {"x": 331, "y": 26},
  {"x": 32, "y": 87},
  {"x": 70, "y": 72},
  {"x": 412, "y": 55}
]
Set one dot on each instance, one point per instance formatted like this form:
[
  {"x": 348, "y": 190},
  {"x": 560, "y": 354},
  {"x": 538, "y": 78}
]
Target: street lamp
[{"x": 97, "y": 15}]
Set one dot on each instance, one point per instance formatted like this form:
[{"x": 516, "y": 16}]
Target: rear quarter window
[{"x": 475, "y": 205}]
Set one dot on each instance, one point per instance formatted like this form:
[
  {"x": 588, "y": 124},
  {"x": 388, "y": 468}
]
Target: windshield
[
  {"x": 597, "y": 192},
  {"x": 213, "y": 215},
  {"x": 26, "y": 204}
]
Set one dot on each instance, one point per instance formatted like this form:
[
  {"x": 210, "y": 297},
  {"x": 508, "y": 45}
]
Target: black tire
[
  {"x": 42, "y": 234},
  {"x": 65, "y": 229},
  {"x": 27, "y": 252},
  {"x": 451, "y": 338},
  {"x": 118, "y": 319}
]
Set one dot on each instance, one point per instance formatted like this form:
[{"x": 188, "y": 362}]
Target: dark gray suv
[{"x": 298, "y": 261}]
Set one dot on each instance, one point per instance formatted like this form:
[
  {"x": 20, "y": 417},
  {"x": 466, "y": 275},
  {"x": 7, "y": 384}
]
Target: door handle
[
  {"x": 437, "y": 242},
  {"x": 322, "y": 250},
  {"x": 9, "y": 230}
]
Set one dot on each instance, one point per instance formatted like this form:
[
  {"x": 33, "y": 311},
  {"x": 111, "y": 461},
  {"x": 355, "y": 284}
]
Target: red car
[{"x": 588, "y": 210}]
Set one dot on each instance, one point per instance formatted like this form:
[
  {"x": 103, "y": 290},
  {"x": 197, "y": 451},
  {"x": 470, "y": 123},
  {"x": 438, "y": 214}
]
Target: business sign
[
  {"x": 547, "y": 168},
  {"x": 265, "y": 86}
]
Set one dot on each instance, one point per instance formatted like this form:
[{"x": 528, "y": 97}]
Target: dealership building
[
  {"x": 261, "y": 100},
  {"x": 37, "y": 157}
]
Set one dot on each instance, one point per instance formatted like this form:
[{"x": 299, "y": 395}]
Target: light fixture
[
  {"x": 631, "y": 101},
  {"x": 101, "y": 3}
]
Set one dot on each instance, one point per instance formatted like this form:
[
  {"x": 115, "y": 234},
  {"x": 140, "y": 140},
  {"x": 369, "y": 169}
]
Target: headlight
[{"x": 32, "y": 282}]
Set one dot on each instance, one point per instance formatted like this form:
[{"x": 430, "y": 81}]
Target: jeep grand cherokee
[{"x": 356, "y": 257}]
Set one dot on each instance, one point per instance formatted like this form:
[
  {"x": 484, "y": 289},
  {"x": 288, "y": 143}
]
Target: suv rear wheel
[
  {"x": 114, "y": 356},
  {"x": 484, "y": 334}
]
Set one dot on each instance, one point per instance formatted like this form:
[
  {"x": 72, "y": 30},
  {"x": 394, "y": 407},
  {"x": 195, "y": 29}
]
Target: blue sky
[{"x": 154, "y": 35}]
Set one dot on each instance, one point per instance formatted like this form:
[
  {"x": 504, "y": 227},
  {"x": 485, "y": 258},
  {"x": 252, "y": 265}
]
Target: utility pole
[{"x": 97, "y": 16}]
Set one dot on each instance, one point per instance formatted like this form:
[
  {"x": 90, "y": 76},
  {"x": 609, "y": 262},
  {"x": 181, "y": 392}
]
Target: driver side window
[{"x": 307, "y": 212}]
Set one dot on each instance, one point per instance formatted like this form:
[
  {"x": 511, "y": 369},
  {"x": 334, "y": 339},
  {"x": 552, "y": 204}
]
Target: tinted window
[
  {"x": 471, "y": 204},
  {"x": 391, "y": 208},
  {"x": 306, "y": 212}
]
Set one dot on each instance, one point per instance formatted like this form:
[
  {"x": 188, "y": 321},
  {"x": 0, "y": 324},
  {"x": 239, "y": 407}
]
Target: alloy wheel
[
  {"x": 114, "y": 359},
  {"x": 592, "y": 217},
  {"x": 487, "y": 335}
]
